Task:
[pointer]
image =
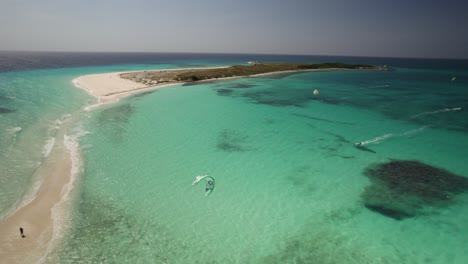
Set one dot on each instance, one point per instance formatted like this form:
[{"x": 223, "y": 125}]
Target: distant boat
[{"x": 316, "y": 92}]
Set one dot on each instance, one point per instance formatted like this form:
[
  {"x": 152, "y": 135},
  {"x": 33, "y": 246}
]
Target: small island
[
  {"x": 256, "y": 68},
  {"x": 110, "y": 87}
]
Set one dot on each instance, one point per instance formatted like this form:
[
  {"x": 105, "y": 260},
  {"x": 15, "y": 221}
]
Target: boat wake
[
  {"x": 376, "y": 140},
  {"x": 436, "y": 112},
  {"x": 379, "y": 139},
  {"x": 378, "y": 86}
]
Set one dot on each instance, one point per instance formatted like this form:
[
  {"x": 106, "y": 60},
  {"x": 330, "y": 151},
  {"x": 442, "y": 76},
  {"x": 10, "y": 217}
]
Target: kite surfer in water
[
  {"x": 361, "y": 146},
  {"x": 210, "y": 183},
  {"x": 209, "y": 186}
]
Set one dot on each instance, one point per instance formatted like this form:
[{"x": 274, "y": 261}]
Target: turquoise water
[
  {"x": 38, "y": 102},
  {"x": 290, "y": 183},
  {"x": 289, "y": 180},
  {"x": 33, "y": 106}
]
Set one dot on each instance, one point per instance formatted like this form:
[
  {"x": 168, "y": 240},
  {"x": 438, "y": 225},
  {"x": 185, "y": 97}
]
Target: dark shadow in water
[
  {"x": 4, "y": 110},
  {"x": 100, "y": 225},
  {"x": 327, "y": 100},
  {"x": 224, "y": 92},
  {"x": 383, "y": 99},
  {"x": 316, "y": 245},
  {"x": 114, "y": 121},
  {"x": 117, "y": 114},
  {"x": 138, "y": 95},
  {"x": 403, "y": 188},
  {"x": 278, "y": 98},
  {"x": 364, "y": 148},
  {"x": 454, "y": 128},
  {"x": 232, "y": 141},
  {"x": 322, "y": 119},
  {"x": 338, "y": 137},
  {"x": 302, "y": 178},
  {"x": 241, "y": 86},
  {"x": 4, "y": 97},
  {"x": 269, "y": 121},
  {"x": 191, "y": 84}
]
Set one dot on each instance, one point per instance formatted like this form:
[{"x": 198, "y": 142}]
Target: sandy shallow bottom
[{"x": 38, "y": 218}]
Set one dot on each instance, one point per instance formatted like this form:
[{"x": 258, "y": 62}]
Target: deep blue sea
[{"x": 371, "y": 170}]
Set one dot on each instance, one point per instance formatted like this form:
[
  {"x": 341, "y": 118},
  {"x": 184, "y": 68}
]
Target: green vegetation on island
[{"x": 255, "y": 68}]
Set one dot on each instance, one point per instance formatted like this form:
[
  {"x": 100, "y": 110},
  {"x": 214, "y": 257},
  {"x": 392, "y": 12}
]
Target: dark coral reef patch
[
  {"x": 4, "y": 110},
  {"x": 404, "y": 188},
  {"x": 241, "y": 85},
  {"x": 224, "y": 92},
  {"x": 232, "y": 141}
]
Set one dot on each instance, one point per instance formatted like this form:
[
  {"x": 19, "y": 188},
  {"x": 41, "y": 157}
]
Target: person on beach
[{"x": 22, "y": 232}]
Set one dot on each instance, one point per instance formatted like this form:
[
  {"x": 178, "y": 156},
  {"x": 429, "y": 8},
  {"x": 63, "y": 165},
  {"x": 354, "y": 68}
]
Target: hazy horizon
[
  {"x": 233, "y": 53},
  {"x": 430, "y": 29}
]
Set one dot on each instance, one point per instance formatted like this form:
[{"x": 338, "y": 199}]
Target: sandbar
[
  {"x": 110, "y": 87},
  {"x": 43, "y": 217},
  {"x": 40, "y": 217}
]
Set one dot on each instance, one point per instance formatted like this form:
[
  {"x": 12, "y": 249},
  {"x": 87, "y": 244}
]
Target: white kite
[{"x": 210, "y": 183}]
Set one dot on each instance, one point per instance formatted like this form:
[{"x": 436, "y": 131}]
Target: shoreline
[
  {"x": 110, "y": 87},
  {"x": 43, "y": 216}
]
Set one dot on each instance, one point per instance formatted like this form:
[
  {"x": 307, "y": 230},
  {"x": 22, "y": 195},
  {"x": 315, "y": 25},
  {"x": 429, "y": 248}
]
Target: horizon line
[{"x": 239, "y": 53}]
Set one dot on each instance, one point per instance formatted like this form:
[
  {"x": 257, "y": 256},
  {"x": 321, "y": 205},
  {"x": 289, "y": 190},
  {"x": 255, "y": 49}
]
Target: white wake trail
[{"x": 436, "y": 112}]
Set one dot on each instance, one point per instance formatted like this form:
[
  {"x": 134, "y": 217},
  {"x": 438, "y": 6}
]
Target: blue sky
[{"x": 423, "y": 28}]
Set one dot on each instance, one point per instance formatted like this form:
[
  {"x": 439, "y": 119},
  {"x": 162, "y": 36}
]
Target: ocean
[{"x": 292, "y": 186}]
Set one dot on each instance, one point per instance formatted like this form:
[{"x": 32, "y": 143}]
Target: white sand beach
[
  {"x": 39, "y": 218},
  {"x": 110, "y": 87}
]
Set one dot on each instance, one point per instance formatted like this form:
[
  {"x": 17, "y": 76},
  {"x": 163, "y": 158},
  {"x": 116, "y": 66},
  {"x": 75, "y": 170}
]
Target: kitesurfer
[
  {"x": 361, "y": 146},
  {"x": 210, "y": 183},
  {"x": 209, "y": 186}
]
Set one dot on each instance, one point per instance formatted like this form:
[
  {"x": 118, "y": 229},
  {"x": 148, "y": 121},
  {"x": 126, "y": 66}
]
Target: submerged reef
[
  {"x": 323, "y": 246},
  {"x": 224, "y": 92},
  {"x": 4, "y": 110},
  {"x": 241, "y": 85},
  {"x": 279, "y": 98},
  {"x": 232, "y": 141},
  {"x": 138, "y": 95},
  {"x": 113, "y": 121},
  {"x": 405, "y": 188}
]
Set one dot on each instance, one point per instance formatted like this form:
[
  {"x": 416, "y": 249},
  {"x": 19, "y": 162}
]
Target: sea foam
[
  {"x": 14, "y": 130},
  {"x": 47, "y": 148},
  {"x": 59, "y": 213}
]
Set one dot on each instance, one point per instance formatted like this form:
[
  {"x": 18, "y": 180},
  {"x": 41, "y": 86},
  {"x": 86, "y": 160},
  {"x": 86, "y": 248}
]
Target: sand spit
[
  {"x": 110, "y": 87},
  {"x": 43, "y": 217},
  {"x": 40, "y": 216}
]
